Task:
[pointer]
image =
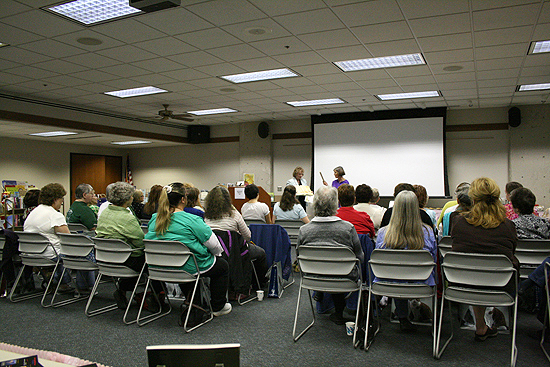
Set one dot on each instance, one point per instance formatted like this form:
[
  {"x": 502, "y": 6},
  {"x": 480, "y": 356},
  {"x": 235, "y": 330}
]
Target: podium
[{"x": 238, "y": 203}]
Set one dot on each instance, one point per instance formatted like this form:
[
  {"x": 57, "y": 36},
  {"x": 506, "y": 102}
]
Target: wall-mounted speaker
[
  {"x": 514, "y": 117},
  {"x": 198, "y": 134},
  {"x": 263, "y": 129}
]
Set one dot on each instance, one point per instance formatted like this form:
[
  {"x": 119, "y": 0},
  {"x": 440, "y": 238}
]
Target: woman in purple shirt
[{"x": 339, "y": 175}]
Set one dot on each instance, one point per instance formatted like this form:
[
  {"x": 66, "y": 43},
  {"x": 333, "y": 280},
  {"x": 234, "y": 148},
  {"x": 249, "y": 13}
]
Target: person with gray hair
[
  {"x": 326, "y": 229},
  {"x": 106, "y": 203},
  {"x": 451, "y": 206},
  {"x": 80, "y": 212},
  {"x": 119, "y": 223}
]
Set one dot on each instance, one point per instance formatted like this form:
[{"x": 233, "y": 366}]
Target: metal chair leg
[{"x": 296, "y": 315}]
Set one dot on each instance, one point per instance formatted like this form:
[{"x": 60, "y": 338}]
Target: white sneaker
[{"x": 224, "y": 311}]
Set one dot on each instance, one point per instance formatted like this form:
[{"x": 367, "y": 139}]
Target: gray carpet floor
[{"x": 264, "y": 330}]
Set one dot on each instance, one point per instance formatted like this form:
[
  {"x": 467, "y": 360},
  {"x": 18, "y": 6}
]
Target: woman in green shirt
[{"x": 172, "y": 223}]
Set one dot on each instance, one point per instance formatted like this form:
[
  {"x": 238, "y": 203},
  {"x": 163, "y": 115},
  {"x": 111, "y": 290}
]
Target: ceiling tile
[
  {"x": 383, "y": 32},
  {"x": 369, "y": 12},
  {"x": 227, "y": 11},
  {"x": 152, "y": 79},
  {"x": 409, "y": 71},
  {"x": 125, "y": 70},
  {"x": 72, "y": 39},
  {"x": 8, "y": 8},
  {"x": 378, "y": 83},
  {"x": 258, "y": 64},
  {"x": 317, "y": 69},
  {"x": 513, "y": 16},
  {"x": 31, "y": 72},
  {"x": 127, "y": 53},
  {"x": 192, "y": 59},
  {"x": 497, "y": 74},
  {"x": 60, "y": 66},
  {"x": 537, "y": 60},
  {"x": 128, "y": 30},
  {"x": 92, "y": 60},
  {"x": 344, "y": 53},
  {"x": 469, "y": 84},
  {"x": 209, "y": 38},
  {"x": 52, "y": 48},
  {"x": 467, "y": 66},
  {"x": 542, "y": 31},
  {"x": 300, "y": 58},
  {"x": 94, "y": 76},
  {"x": 220, "y": 69},
  {"x": 6, "y": 78},
  {"x": 165, "y": 46},
  {"x": 329, "y": 39},
  {"x": 503, "y": 36},
  {"x": 495, "y": 4},
  {"x": 331, "y": 78},
  {"x": 236, "y": 52},
  {"x": 310, "y": 21},
  {"x": 503, "y": 51},
  {"x": 42, "y": 23},
  {"x": 429, "y": 8},
  {"x": 490, "y": 83},
  {"x": 15, "y": 36},
  {"x": 175, "y": 21},
  {"x": 445, "y": 57},
  {"x": 416, "y": 80},
  {"x": 157, "y": 65},
  {"x": 19, "y": 55},
  {"x": 210, "y": 83},
  {"x": 185, "y": 74},
  {"x": 274, "y": 8},
  {"x": 455, "y": 77},
  {"x": 399, "y": 47},
  {"x": 508, "y": 63},
  {"x": 243, "y": 30},
  {"x": 437, "y": 26},
  {"x": 447, "y": 42},
  {"x": 6, "y": 64},
  {"x": 280, "y": 46}
]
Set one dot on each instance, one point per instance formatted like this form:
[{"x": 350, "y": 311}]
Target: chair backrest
[
  {"x": 166, "y": 253},
  {"x": 445, "y": 245},
  {"x": 75, "y": 244},
  {"x": 482, "y": 270},
  {"x": 145, "y": 229},
  {"x": 32, "y": 243},
  {"x": 144, "y": 222},
  {"x": 404, "y": 265},
  {"x": 254, "y": 221},
  {"x": 2, "y": 242},
  {"x": 77, "y": 227},
  {"x": 110, "y": 250},
  {"x": 292, "y": 227},
  {"x": 532, "y": 252},
  {"x": 326, "y": 260}
]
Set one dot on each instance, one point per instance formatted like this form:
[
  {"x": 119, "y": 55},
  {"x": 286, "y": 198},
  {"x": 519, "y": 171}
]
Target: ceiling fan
[{"x": 167, "y": 114}]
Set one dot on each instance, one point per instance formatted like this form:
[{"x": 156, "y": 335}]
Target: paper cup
[
  {"x": 260, "y": 295},
  {"x": 350, "y": 327}
]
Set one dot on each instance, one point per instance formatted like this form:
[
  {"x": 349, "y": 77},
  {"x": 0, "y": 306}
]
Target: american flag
[{"x": 129, "y": 178}]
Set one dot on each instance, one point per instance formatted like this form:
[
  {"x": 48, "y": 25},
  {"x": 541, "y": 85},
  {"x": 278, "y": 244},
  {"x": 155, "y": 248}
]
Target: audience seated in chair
[
  {"x": 80, "y": 212},
  {"x": 464, "y": 205},
  {"x": 47, "y": 220},
  {"x": 137, "y": 205},
  {"x": 327, "y": 229},
  {"x": 220, "y": 214},
  {"x": 387, "y": 215},
  {"x": 423, "y": 198},
  {"x": 173, "y": 223},
  {"x": 360, "y": 220},
  {"x": 120, "y": 223},
  {"x": 193, "y": 203},
  {"x": 485, "y": 229},
  {"x": 289, "y": 208},
  {"x": 451, "y": 206},
  {"x": 253, "y": 209},
  {"x": 367, "y": 201},
  {"x": 406, "y": 231}
]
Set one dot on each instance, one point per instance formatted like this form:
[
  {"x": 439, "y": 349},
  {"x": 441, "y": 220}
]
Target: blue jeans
[{"x": 537, "y": 275}]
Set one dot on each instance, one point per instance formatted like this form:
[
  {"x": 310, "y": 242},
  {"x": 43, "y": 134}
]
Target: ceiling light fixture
[
  {"x": 539, "y": 47},
  {"x": 94, "y": 11},
  {"x": 381, "y": 62},
  {"x": 528, "y": 87},
  {"x": 131, "y": 142},
  {"x": 315, "y": 102},
  {"x": 213, "y": 111},
  {"x": 89, "y": 41},
  {"x": 260, "y": 75},
  {"x": 49, "y": 134},
  {"x": 426, "y": 94},
  {"x": 134, "y": 92},
  {"x": 3, "y": 44}
]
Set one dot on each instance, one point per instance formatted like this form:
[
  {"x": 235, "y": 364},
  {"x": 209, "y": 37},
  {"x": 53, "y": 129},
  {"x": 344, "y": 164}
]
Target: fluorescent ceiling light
[
  {"x": 260, "y": 75},
  {"x": 527, "y": 87},
  {"x": 54, "y": 133},
  {"x": 386, "y": 97},
  {"x": 94, "y": 11},
  {"x": 381, "y": 62},
  {"x": 134, "y": 92},
  {"x": 212, "y": 111},
  {"x": 131, "y": 142},
  {"x": 539, "y": 46},
  {"x": 315, "y": 102},
  {"x": 3, "y": 44}
]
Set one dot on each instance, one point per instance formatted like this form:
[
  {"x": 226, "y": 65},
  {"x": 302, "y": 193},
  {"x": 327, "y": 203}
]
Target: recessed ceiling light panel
[
  {"x": 212, "y": 111},
  {"x": 131, "y": 142},
  {"x": 427, "y": 94},
  {"x": 381, "y": 62},
  {"x": 315, "y": 102},
  {"x": 528, "y": 87},
  {"x": 539, "y": 47},
  {"x": 260, "y": 75},
  {"x": 94, "y": 11},
  {"x": 54, "y": 133},
  {"x": 134, "y": 92}
]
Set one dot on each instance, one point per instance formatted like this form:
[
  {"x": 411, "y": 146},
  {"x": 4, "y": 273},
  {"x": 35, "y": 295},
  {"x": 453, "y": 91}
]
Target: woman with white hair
[
  {"x": 327, "y": 229},
  {"x": 407, "y": 232}
]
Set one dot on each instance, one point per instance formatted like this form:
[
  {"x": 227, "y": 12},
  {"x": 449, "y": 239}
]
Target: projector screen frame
[{"x": 382, "y": 115}]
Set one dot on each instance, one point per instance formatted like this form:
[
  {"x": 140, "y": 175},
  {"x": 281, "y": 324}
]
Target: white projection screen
[{"x": 383, "y": 152}]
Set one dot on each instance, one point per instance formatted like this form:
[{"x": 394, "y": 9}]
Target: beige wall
[
  {"x": 519, "y": 154},
  {"x": 40, "y": 163}
]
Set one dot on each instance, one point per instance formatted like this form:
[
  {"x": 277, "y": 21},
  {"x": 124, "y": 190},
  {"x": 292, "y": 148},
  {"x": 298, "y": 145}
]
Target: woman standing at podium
[
  {"x": 298, "y": 180},
  {"x": 339, "y": 178}
]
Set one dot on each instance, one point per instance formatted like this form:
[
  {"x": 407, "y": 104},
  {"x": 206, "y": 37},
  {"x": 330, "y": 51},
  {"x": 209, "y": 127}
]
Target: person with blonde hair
[
  {"x": 151, "y": 205},
  {"x": 172, "y": 223},
  {"x": 485, "y": 229},
  {"x": 298, "y": 180},
  {"x": 407, "y": 232}
]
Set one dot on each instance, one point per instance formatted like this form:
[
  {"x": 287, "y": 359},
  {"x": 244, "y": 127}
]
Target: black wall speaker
[
  {"x": 263, "y": 129},
  {"x": 514, "y": 117},
  {"x": 198, "y": 134}
]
